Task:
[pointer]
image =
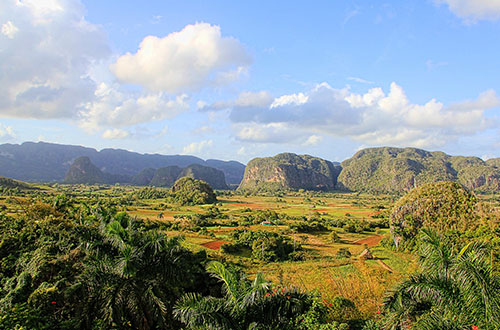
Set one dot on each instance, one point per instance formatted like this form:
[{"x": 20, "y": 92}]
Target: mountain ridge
[{"x": 46, "y": 162}]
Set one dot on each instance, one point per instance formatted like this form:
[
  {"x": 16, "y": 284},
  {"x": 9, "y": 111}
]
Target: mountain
[
  {"x": 233, "y": 171},
  {"x": 144, "y": 177},
  {"x": 214, "y": 177},
  {"x": 389, "y": 169},
  {"x": 83, "y": 171},
  {"x": 493, "y": 162},
  {"x": 165, "y": 176},
  {"x": 11, "y": 184},
  {"x": 290, "y": 171},
  {"x": 45, "y": 162}
]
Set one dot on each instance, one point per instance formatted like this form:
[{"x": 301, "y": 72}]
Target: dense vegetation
[
  {"x": 289, "y": 171},
  {"x": 443, "y": 206},
  {"x": 115, "y": 257},
  {"x": 90, "y": 267},
  {"x": 401, "y": 169},
  {"x": 189, "y": 191}
]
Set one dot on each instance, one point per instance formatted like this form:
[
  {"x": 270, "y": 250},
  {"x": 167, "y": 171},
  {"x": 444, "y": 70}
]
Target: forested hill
[
  {"x": 290, "y": 171},
  {"x": 400, "y": 169},
  {"x": 378, "y": 170},
  {"x": 43, "y": 162}
]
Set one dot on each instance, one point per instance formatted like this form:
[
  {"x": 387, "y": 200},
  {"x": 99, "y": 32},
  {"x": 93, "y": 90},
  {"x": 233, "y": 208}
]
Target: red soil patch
[
  {"x": 321, "y": 210},
  {"x": 370, "y": 241},
  {"x": 214, "y": 245}
]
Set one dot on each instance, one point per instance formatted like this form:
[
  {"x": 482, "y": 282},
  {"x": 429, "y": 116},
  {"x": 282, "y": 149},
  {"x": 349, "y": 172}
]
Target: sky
[{"x": 235, "y": 80}]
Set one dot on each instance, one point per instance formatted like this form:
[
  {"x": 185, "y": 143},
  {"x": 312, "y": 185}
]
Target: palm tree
[
  {"x": 133, "y": 277},
  {"x": 245, "y": 304},
  {"x": 453, "y": 290}
]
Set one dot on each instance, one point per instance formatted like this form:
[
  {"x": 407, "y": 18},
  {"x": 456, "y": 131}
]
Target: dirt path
[
  {"x": 214, "y": 245},
  {"x": 370, "y": 241}
]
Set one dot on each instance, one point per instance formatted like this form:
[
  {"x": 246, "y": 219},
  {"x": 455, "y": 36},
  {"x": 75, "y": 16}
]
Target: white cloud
[
  {"x": 360, "y": 80},
  {"x": 197, "y": 147},
  {"x": 9, "y": 29},
  {"x": 115, "y": 133},
  {"x": 6, "y": 133},
  {"x": 293, "y": 99},
  {"x": 241, "y": 151},
  {"x": 46, "y": 58},
  {"x": 190, "y": 59},
  {"x": 267, "y": 133},
  {"x": 313, "y": 140},
  {"x": 203, "y": 130},
  {"x": 163, "y": 132},
  {"x": 472, "y": 10},
  {"x": 244, "y": 100},
  {"x": 112, "y": 107},
  {"x": 373, "y": 118}
]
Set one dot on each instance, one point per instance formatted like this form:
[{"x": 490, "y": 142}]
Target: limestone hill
[
  {"x": 288, "y": 171},
  {"x": 401, "y": 169}
]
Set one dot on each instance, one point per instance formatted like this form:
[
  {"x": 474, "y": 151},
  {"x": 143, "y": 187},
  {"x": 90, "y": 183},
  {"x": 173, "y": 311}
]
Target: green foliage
[
  {"x": 307, "y": 227},
  {"x": 249, "y": 305},
  {"x": 66, "y": 267},
  {"x": 287, "y": 171},
  {"x": 401, "y": 169},
  {"x": 188, "y": 191},
  {"x": 454, "y": 289},
  {"x": 151, "y": 193},
  {"x": 265, "y": 245},
  {"x": 343, "y": 253},
  {"x": 442, "y": 206}
]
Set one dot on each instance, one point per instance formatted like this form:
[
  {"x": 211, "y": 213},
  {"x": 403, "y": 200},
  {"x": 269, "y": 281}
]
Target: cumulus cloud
[
  {"x": 473, "y": 10},
  {"x": 115, "y": 133},
  {"x": 6, "y": 133},
  {"x": 313, "y": 140},
  {"x": 374, "y": 118},
  {"x": 112, "y": 107},
  {"x": 244, "y": 100},
  {"x": 9, "y": 29},
  {"x": 55, "y": 64},
  {"x": 197, "y": 147},
  {"x": 268, "y": 133},
  {"x": 187, "y": 60},
  {"x": 47, "y": 49}
]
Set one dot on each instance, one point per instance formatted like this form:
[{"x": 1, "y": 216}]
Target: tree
[
  {"x": 244, "y": 305},
  {"x": 453, "y": 290},
  {"x": 134, "y": 276}
]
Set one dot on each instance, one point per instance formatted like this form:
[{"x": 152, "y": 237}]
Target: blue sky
[{"x": 238, "y": 80}]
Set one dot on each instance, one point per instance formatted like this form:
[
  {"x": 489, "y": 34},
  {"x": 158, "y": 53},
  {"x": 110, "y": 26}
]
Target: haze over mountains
[
  {"x": 383, "y": 169},
  {"x": 46, "y": 162}
]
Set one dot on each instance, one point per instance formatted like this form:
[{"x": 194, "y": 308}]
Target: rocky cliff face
[
  {"x": 289, "y": 171},
  {"x": 401, "y": 169}
]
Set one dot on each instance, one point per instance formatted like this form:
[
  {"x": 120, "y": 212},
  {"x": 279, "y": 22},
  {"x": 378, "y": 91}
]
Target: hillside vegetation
[
  {"x": 289, "y": 171},
  {"x": 401, "y": 169},
  {"x": 443, "y": 207}
]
